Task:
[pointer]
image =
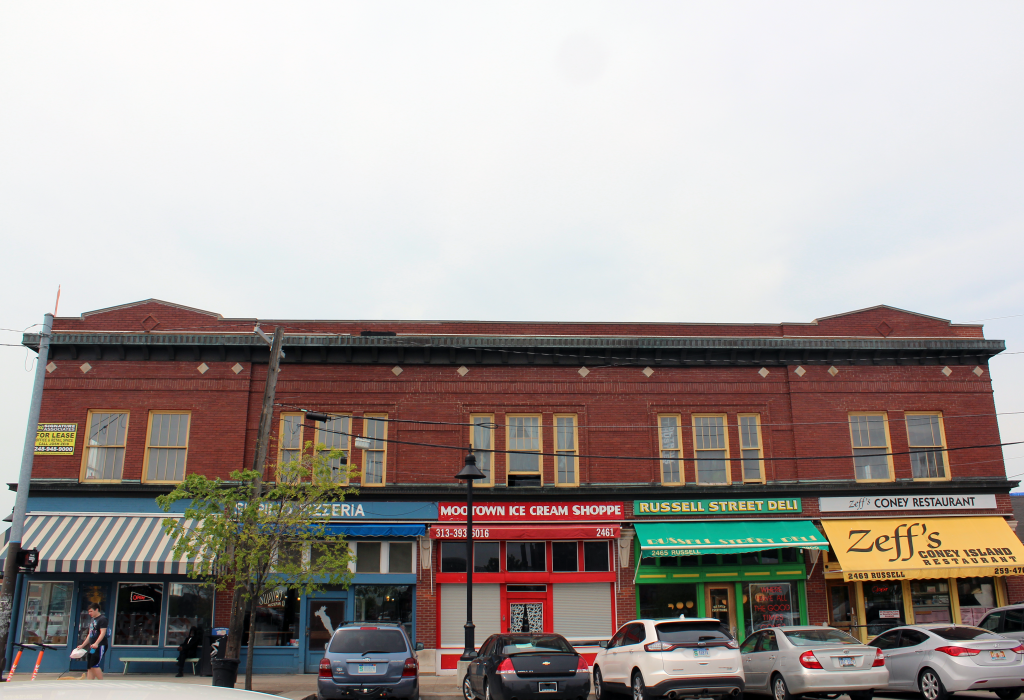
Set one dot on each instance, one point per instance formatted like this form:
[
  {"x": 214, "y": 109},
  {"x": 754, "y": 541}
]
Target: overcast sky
[{"x": 673, "y": 161}]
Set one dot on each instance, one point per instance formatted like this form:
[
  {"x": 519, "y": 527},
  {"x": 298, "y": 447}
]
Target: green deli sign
[{"x": 731, "y": 506}]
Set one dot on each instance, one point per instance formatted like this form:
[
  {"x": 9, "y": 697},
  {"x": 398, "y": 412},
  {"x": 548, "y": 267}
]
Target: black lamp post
[{"x": 470, "y": 473}]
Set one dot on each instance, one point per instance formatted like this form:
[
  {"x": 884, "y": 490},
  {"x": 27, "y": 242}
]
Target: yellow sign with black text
[
  {"x": 56, "y": 438},
  {"x": 913, "y": 548}
]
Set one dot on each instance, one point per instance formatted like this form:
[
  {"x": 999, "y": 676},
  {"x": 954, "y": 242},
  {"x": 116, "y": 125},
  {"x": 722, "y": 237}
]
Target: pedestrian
[
  {"x": 95, "y": 642},
  {"x": 188, "y": 648}
]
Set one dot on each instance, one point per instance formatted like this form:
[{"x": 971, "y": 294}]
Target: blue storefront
[{"x": 112, "y": 551}]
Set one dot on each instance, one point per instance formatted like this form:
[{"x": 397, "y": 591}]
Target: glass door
[
  {"x": 841, "y": 613},
  {"x": 720, "y": 602},
  {"x": 92, "y": 593},
  {"x": 525, "y": 616},
  {"x": 323, "y": 616}
]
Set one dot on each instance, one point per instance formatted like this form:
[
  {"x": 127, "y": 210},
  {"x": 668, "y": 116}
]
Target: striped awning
[{"x": 101, "y": 544}]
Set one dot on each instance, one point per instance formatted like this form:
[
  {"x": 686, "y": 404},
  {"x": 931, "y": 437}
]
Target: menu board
[{"x": 771, "y": 605}]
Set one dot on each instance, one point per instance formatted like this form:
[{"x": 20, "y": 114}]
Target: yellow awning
[{"x": 910, "y": 548}]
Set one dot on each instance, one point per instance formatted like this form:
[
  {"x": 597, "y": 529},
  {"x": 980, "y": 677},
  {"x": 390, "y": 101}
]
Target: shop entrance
[
  {"x": 323, "y": 616},
  {"x": 720, "y": 602},
  {"x": 525, "y": 611},
  {"x": 841, "y": 612},
  {"x": 93, "y": 593}
]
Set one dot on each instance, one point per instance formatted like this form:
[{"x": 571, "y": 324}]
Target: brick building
[{"x": 843, "y": 471}]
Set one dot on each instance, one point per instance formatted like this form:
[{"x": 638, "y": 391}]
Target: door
[
  {"x": 525, "y": 616},
  {"x": 720, "y": 602},
  {"x": 906, "y": 659},
  {"x": 612, "y": 660},
  {"x": 841, "y": 613},
  {"x": 762, "y": 661},
  {"x": 483, "y": 666},
  {"x": 93, "y": 593},
  {"x": 323, "y": 616}
]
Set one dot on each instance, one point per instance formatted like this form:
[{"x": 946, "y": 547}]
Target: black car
[{"x": 527, "y": 667}]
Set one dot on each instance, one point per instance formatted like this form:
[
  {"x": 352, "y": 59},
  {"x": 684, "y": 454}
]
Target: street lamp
[{"x": 470, "y": 473}]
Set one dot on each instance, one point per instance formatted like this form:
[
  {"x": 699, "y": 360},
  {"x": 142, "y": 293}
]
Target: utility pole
[
  {"x": 21, "y": 500},
  {"x": 233, "y": 650}
]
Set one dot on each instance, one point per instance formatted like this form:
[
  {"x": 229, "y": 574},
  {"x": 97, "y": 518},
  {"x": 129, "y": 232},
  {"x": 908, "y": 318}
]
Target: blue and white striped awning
[{"x": 101, "y": 544}]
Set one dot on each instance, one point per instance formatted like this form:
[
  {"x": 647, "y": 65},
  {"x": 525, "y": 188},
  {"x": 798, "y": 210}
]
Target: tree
[{"x": 259, "y": 535}]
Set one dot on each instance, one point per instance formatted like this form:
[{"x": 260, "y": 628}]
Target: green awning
[{"x": 710, "y": 537}]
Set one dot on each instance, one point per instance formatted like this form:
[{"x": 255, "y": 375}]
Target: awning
[
  {"x": 382, "y": 530},
  {"x": 911, "y": 548},
  {"x": 109, "y": 544},
  {"x": 510, "y": 532},
  {"x": 726, "y": 537}
]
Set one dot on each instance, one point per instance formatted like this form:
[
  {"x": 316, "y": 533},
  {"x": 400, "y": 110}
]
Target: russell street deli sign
[
  {"x": 914, "y": 548},
  {"x": 730, "y": 506}
]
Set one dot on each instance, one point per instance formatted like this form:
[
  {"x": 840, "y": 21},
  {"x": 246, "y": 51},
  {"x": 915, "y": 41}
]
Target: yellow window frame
[
  {"x": 696, "y": 452},
  {"x": 888, "y": 445},
  {"x": 662, "y": 449},
  {"x": 149, "y": 435},
  {"x": 487, "y": 418},
  {"x": 86, "y": 447},
  {"x": 943, "y": 447},
  {"x": 346, "y": 448},
  {"x": 540, "y": 445},
  {"x": 280, "y": 436},
  {"x": 760, "y": 447},
  {"x": 384, "y": 451},
  {"x": 575, "y": 451}
]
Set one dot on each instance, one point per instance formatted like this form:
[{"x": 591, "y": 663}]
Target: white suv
[{"x": 673, "y": 658}]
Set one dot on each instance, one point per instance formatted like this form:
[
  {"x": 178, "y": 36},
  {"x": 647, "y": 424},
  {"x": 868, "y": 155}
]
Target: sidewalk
[{"x": 294, "y": 686}]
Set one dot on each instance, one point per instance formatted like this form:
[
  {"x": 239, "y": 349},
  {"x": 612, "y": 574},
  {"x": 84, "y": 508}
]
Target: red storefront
[{"x": 538, "y": 567}]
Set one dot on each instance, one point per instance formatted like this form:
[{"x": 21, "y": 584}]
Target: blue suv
[{"x": 369, "y": 660}]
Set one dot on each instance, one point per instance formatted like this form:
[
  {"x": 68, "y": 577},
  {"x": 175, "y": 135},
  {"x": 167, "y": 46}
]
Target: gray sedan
[
  {"x": 940, "y": 659},
  {"x": 785, "y": 662}
]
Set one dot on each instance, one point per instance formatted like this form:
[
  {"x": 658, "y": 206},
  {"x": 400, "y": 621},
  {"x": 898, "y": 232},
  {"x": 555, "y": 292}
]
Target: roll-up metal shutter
[
  {"x": 486, "y": 612},
  {"x": 583, "y": 610}
]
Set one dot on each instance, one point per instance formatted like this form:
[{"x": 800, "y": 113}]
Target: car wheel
[
  {"x": 639, "y": 689},
  {"x": 1008, "y": 693},
  {"x": 467, "y": 689},
  {"x": 931, "y": 686},
  {"x": 862, "y": 695},
  {"x": 780, "y": 691},
  {"x": 487, "y": 691},
  {"x": 598, "y": 690}
]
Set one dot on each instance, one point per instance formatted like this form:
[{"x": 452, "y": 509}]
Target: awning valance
[
  {"x": 112, "y": 544},
  {"x": 726, "y": 537},
  {"x": 912, "y": 548},
  {"x": 380, "y": 530}
]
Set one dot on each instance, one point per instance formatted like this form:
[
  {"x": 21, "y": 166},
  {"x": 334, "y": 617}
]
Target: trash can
[
  {"x": 214, "y": 645},
  {"x": 225, "y": 672}
]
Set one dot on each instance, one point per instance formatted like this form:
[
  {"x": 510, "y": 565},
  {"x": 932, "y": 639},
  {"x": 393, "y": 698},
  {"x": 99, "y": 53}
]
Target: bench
[{"x": 156, "y": 660}]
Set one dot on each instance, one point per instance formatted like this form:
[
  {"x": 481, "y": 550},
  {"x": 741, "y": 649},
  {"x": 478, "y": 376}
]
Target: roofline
[{"x": 146, "y": 301}]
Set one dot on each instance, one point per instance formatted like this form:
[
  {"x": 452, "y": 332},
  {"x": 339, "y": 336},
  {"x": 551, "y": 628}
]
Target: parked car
[
  {"x": 674, "y": 658},
  {"x": 369, "y": 659},
  {"x": 939, "y": 659},
  {"x": 526, "y": 666},
  {"x": 1007, "y": 621},
  {"x": 785, "y": 662}
]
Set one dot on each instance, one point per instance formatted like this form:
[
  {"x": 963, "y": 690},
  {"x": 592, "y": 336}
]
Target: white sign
[
  {"x": 884, "y": 614},
  {"x": 857, "y": 504}
]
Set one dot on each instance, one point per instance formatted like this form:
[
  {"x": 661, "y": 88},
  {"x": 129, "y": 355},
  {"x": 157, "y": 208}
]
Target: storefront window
[
  {"x": 977, "y": 596},
  {"x": 671, "y": 600},
  {"x": 384, "y": 604},
  {"x": 564, "y": 556},
  {"x": 137, "y": 622},
  {"x": 525, "y": 556},
  {"x": 485, "y": 554},
  {"x": 771, "y": 604},
  {"x": 367, "y": 557},
  {"x": 595, "y": 556},
  {"x": 277, "y": 619},
  {"x": 930, "y": 599},
  {"x": 47, "y": 613},
  {"x": 400, "y": 557},
  {"x": 188, "y": 605},
  {"x": 486, "y": 557},
  {"x": 883, "y": 606}
]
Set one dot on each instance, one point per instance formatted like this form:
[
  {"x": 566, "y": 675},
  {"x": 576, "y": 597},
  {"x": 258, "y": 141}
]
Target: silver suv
[{"x": 369, "y": 660}]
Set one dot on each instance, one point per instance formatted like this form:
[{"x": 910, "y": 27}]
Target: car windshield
[
  {"x": 817, "y": 638},
  {"x": 963, "y": 634},
  {"x": 367, "y": 641},
  {"x": 540, "y": 644},
  {"x": 682, "y": 632}
]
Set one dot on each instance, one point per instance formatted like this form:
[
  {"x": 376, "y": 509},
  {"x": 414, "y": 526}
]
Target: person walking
[
  {"x": 188, "y": 649},
  {"x": 95, "y": 642}
]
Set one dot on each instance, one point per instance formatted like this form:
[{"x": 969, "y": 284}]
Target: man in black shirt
[{"x": 96, "y": 641}]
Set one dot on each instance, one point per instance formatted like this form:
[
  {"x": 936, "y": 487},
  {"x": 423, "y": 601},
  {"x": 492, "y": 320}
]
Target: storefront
[
  {"x": 537, "y": 567},
  {"x": 749, "y": 573},
  {"x": 884, "y": 572}
]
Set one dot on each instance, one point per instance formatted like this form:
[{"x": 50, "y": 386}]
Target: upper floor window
[
  {"x": 712, "y": 450},
  {"x": 524, "y": 459},
  {"x": 375, "y": 457},
  {"x": 481, "y": 439},
  {"x": 104, "y": 447},
  {"x": 525, "y": 556},
  {"x": 870, "y": 436},
  {"x": 334, "y": 434},
  {"x": 927, "y": 440},
  {"x": 566, "y": 451},
  {"x": 289, "y": 446},
  {"x": 750, "y": 446},
  {"x": 166, "y": 446},
  {"x": 669, "y": 444},
  {"x": 486, "y": 557}
]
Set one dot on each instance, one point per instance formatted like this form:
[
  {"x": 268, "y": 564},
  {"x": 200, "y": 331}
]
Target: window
[
  {"x": 668, "y": 438},
  {"x": 566, "y": 451},
  {"x": 481, "y": 439},
  {"x": 453, "y": 557},
  {"x": 595, "y": 556},
  {"x": 104, "y": 448},
  {"x": 384, "y": 557},
  {"x": 976, "y": 595},
  {"x": 400, "y": 557},
  {"x": 368, "y": 557},
  {"x": 711, "y": 449},
  {"x": 289, "y": 446},
  {"x": 886, "y": 640},
  {"x": 926, "y": 439},
  {"x": 524, "y": 458},
  {"x": 870, "y": 435},
  {"x": 166, "y": 446},
  {"x": 384, "y": 603},
  {"x": 883, "y": 606},
  {"x": 277, "y": 619},
  {"x": 334, "y": 435},
  {"x": 47, "y": 613},
  {"x": 1014, "y": 620},
  {"x": 375, "y": 458},
  {"x": 750, "y": 447},
  {"x": 486, "y": 557},
  {"x": 188, "y": 605},
  {"x": 911, "y": 638},
  {"x": 137, "y": 622},
  {"x": 750, "y": 643},
  {"x": 565, "y": 556},
  {"x": 525, "y": 556}
]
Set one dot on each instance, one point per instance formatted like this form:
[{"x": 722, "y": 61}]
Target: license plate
[
  {"x": 702, "y": 652},
  {"x": 366, "y": 668},
  {"x": 547, "y": 687},
  {"x": 845, "y": 661},
  {"x": 997, "y": 654}
]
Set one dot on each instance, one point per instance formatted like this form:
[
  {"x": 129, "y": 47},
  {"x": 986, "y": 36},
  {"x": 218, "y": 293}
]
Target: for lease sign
[
  {"x": 55, "y": 439},
  {"x": 527, "y": 511}
]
